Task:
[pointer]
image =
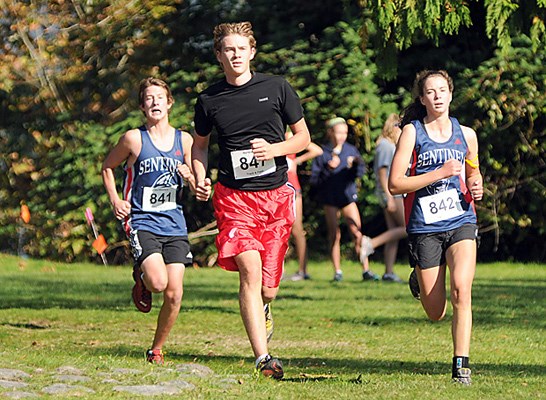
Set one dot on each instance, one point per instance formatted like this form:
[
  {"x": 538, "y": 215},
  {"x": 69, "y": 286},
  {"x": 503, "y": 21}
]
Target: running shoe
[
  {"x": 366, "y": 248},
  {"x": 338, "y": 276},
  {"x": 391, "y": 277},
  {"x": 296, "y": 277},
  {"x": 463, "y": 376},
  {"x": 270, "y": 367},
  {"x": 268, "y": 322},
  {"x": 142, "y": 297},
  {"x": 414, "y": 285},
  {"x": 155, "y": 356},
  {"x": 369, "y": 276}
]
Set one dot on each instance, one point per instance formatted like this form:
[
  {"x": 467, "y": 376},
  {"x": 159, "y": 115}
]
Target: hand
[
  {"x": 476, "y": 190},
  {"x": 452, "y": 167},
  {"x": 262, "y": 150},
  {"x": 122, "y": 209},
  {"x": 334, "y": 162},
  {"x": 184, "y": 171},
  {"x": 391, "y": 205},
  {"x": 203, "y": 190}
]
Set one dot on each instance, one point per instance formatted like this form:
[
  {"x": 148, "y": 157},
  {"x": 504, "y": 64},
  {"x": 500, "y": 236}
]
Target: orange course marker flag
[
  {"x": 25, "y": 213},
  {"x": 100, "y": 244}
]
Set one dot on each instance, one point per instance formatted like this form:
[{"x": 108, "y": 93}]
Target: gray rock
[
  {"x": 21, "y": 395},
  {"x": 12, "y": 384},
  {"x": 194, "y": 369},
  {"x": 68, "y": 370},
  {"x": 62, "y": 388},
  {"x": 149, "y": 390},
  {"x": 13, "y": 374},
  {"x": 72, "y": 378}
]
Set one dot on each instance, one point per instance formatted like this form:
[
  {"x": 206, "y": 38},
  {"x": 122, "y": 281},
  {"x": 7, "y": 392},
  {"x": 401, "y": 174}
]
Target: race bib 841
[{"x": 159, "y": 198}]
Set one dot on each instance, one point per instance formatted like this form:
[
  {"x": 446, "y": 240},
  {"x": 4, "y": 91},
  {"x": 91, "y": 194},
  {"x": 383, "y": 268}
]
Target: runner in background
[
  {"x": 334, "y": 176},
  {"x": 393, "y": 206},
  {"x": 298, "y": 233}
]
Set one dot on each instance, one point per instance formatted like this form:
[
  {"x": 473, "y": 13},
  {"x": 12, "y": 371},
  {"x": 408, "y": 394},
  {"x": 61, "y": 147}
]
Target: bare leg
[
  {"x": 299, "y": 236},
  {"x": 461, "y": 258},
  {"x": 168, "y": 279},
  {"x": 251, "y": 304},
  {"x": 352, "y": 217},
  {"x": 433, "y": 291},
  {"x": 334, "y": 235},
  {"x": 172, "y": 299}
]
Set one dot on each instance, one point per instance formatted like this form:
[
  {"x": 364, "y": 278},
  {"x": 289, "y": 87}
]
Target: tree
[
  {"x": 504, "y": 99},
  {"x": 399, "y": 23}
]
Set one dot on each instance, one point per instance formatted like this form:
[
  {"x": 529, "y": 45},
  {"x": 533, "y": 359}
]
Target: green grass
[{"x": 348, "y": 340}]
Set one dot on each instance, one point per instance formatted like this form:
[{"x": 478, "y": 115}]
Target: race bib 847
[{"x": 246, "y": 166}]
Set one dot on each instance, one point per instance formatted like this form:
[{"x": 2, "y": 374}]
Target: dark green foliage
[
  {"x": 63, "y": 106},
  {"x": 504, "y": 100}
]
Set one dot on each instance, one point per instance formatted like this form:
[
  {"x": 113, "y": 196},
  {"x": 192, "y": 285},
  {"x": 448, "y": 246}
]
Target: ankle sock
[
  {"x": 259, "y": 359},
  {"x": 459, "y": 362}
]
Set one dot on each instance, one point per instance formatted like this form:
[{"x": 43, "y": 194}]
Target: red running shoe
[
  {"x": 155, "y": 356},
  {"x": 142, "y": 297},
  {"x": 270, "y": 367}
]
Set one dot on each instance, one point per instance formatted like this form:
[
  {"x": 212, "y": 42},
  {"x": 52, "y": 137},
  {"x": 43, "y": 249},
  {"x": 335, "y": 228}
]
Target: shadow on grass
[
  {"x": 310, "y": 369},
  {"x": 51, "y": 292}
]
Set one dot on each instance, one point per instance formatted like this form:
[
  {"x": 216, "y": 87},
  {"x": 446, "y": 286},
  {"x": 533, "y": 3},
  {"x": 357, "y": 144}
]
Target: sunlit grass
[{"x": 346, "y": 340}]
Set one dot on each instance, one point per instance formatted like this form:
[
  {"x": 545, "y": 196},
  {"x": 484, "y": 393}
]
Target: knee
[
  {"x": 173, "y": 298},
  {"x": 461, "y": 297},
  {"x": 435, "y": 312},
  {"x": 269, "y": 294},
  {"x": 157, "y": 285},
  {"x": 436, "y": 315}
]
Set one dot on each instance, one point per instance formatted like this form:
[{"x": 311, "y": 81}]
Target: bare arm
[
  {"x": 125, "y": 149},
  {"x": 199, "y": 162},
  {"x": 399, "y": 183},
  {"x": 313, "y": 150},
  {"x": 474, "y": 179},
  {"x": 185, "y": 170},
  {"x": 299, "y": 141}
]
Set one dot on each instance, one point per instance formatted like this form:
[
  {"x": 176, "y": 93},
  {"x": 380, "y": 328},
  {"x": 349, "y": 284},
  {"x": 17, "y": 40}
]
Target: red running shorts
[{"x": 259, "y": 221}]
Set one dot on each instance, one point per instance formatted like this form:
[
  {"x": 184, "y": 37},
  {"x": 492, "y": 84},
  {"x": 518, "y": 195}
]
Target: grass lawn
[{"x": 346, "y": 340}]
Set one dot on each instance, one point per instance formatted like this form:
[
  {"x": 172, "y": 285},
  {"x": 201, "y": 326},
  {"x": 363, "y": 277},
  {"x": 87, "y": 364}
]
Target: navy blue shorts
[
  {"x": 428, "y": 250},
  {"x": 174, "y": 249}
]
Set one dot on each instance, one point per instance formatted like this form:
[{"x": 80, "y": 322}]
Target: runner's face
[
  {"x": 436, "y": 95},
  {"x": 156, "y": 103},
  {"x": 235, "y": 55},
  {"x": 339, "y": 134}
]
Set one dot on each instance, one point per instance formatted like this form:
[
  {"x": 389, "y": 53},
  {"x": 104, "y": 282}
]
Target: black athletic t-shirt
[{"x": 261, "y": 108}]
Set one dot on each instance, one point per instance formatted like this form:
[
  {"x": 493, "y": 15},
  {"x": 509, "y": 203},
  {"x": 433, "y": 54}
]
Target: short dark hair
[{"x": 147, "y": 82}]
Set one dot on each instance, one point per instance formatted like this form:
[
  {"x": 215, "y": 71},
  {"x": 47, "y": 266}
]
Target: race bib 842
[{"x": 441, "y": 206}]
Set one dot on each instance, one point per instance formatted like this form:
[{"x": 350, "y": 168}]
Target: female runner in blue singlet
[{"x": 441, "y": 186}]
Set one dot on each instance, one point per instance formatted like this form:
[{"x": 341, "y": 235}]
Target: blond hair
[
  {"x": 235, "y": 28},
  {"x": 392, "y": 123}
]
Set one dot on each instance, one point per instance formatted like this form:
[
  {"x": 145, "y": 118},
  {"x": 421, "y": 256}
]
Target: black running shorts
[
  {"x": 174, "y": 249},
  {"x": 428, "y": 250}
]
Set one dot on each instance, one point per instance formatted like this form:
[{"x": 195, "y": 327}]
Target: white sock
[{"x": 260, "y": 359}]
